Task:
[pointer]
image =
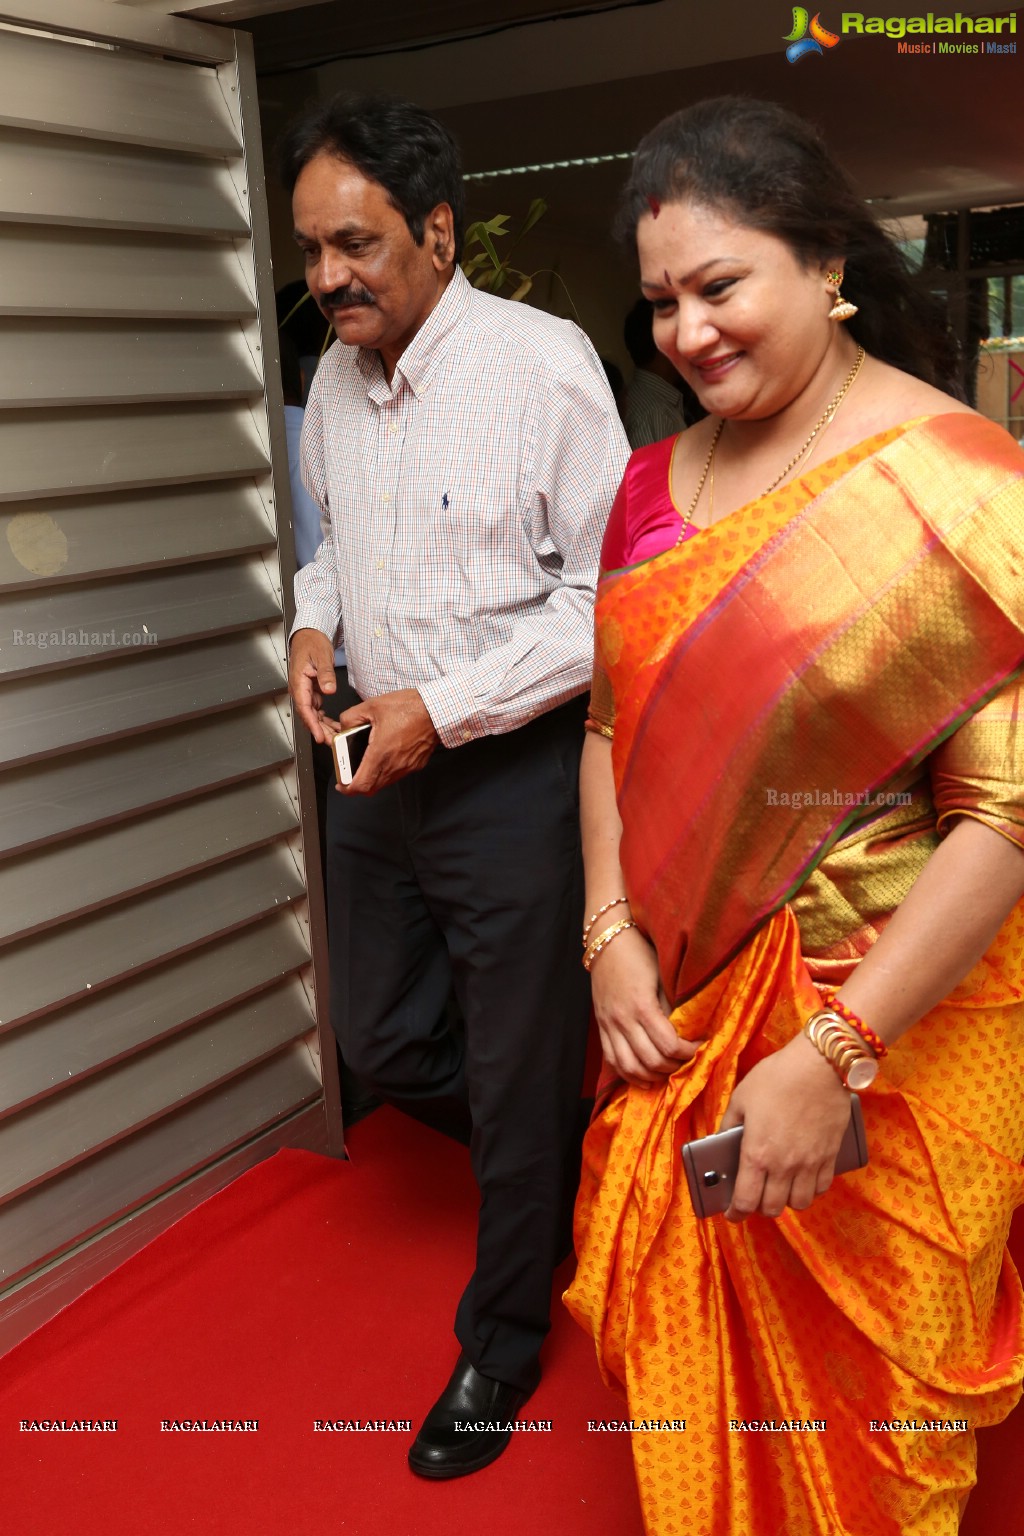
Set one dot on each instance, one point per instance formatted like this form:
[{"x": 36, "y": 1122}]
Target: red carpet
[
  {"x": 309, "y": 1289},
  {"x": 312, "y": 1289}
]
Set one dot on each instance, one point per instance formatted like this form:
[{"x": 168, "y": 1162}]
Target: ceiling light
[{"x": 549, "y": 165}]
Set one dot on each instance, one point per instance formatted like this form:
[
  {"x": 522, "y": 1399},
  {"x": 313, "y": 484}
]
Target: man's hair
[
  {"x": 638, "y": 334},
  {"x": 389, "y": 141}
]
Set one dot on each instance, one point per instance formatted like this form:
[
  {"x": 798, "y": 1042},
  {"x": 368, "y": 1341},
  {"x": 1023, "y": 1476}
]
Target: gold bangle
[
  {"x": 604, "y": 939},
  {"x": 616, "y": 901},
  {"x": 853, "y": 1061},
  {"x": 834, "y": 1043}
]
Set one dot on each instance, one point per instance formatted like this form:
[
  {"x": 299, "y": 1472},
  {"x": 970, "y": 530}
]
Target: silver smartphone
[
  {"x": 349, "y": 750},
  {"x": 712, "y": 1162}
]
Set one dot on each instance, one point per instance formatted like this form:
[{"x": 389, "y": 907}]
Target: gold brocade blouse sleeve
[
  {"x": 601, "y": 714},
  {"x": 979, "y": 770}
]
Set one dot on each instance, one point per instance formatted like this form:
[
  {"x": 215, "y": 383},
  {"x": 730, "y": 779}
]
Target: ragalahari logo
[{"x": 800, "y": 42}]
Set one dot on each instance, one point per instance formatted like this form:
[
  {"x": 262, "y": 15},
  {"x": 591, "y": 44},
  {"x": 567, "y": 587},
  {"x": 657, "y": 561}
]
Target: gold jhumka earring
[{"x": 842, "y": 309}]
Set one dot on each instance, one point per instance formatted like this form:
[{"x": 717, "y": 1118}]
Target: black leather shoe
[{"x": 468, "y": 1427}]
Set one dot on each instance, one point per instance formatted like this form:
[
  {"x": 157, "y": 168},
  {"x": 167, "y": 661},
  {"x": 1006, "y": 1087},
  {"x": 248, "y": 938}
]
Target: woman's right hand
[{"x": 633, "y": 1013}]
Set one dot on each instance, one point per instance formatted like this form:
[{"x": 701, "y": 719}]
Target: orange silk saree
[{"x": 803, "y": 695}]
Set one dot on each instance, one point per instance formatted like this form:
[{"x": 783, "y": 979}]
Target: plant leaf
[
  {"x": 488, "y": 245},
  {"x": 538, "y": 208}
]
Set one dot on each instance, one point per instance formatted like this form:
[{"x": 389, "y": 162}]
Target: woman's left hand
[{"x": 795, "y": 1112}]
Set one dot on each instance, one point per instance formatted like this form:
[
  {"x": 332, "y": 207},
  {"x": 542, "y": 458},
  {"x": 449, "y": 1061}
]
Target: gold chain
[
  {"x": 824, "y": 422},
  {"x": 691, "y": 509}
]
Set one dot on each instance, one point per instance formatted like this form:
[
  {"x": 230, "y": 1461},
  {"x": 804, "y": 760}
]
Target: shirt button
[
  {"x": 380, "y": 565},
  {"x": 467, "y": 735},
  {"x": 378, "y": 631},
  {"x": 386, "y": 500},
  {"x": 393, "y": 427}
]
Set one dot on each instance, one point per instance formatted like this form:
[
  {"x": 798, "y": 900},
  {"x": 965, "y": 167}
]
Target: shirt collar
[{"x": 428, "y": 345}]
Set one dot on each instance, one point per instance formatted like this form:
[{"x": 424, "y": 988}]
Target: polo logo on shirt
[{"x": 444, "y": 502}]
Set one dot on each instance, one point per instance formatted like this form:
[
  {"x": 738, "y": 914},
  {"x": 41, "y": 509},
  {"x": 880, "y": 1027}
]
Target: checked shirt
[{"x": 462, "y": 507}]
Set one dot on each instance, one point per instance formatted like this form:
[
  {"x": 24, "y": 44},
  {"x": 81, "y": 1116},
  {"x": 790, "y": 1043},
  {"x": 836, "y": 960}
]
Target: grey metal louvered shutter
[{"x": 158, "y": 1027}]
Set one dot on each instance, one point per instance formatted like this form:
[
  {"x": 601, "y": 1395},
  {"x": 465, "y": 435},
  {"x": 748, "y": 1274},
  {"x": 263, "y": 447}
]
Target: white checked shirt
[{"x": 463, "y": 507}]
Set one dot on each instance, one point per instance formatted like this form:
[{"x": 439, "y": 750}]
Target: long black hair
[
  {"x": 389, "y": 141},
  {"x": 768, "y": 169}
]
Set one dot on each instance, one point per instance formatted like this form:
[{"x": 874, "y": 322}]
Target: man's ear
[{"x": 439, "y": 234}]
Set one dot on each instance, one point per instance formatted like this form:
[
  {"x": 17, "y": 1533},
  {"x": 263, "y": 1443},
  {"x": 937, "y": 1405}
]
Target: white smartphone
[{"x": 349, "y": 750}]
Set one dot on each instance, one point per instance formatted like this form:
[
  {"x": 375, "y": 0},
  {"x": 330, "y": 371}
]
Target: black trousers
[{"x": 469, "y": 873}]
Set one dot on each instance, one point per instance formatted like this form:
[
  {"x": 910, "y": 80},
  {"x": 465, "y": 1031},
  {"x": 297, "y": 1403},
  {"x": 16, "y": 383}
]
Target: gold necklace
[{"x": 821, "y": 425}]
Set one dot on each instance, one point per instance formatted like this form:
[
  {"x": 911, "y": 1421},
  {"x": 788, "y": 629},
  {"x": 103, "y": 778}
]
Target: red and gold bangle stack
[{"x": 865, "y": 1031}]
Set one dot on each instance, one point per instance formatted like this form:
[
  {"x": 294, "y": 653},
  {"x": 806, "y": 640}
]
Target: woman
[{"x": 804, "y": 785}]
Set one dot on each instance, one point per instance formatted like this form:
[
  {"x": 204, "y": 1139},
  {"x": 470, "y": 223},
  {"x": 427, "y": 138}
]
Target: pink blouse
[{"x": 644, "y": 520}]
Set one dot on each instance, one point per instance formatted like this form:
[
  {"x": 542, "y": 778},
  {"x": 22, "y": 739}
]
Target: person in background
[
  {"x": 655, "y": 407},
  {"x": 464, "y": 452},
  {"x": 356, "y": 1099},
  {"x": 803, "y": 809},
  {"x": 306, "y": 513}
]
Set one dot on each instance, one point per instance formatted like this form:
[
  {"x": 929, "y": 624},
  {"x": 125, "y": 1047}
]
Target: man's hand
[
  {"x": 402, "y": 739},
  {"x": 310, "y": 676}
]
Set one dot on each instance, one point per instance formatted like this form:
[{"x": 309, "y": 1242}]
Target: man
[
  {"x": 654, "y": 400},
  {"x": 464, "y": 452}
]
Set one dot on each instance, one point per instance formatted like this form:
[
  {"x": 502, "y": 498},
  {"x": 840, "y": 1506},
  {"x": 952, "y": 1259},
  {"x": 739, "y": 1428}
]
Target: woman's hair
[
  {"x": 769, "y": 170},
  {"x": 391, "y": 142}
]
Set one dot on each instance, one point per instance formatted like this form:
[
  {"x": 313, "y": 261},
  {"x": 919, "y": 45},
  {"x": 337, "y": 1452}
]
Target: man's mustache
[{"x": 345, "y": 298}]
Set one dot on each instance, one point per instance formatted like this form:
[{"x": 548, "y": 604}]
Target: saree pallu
[{"x": 890, "y": 1301}]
